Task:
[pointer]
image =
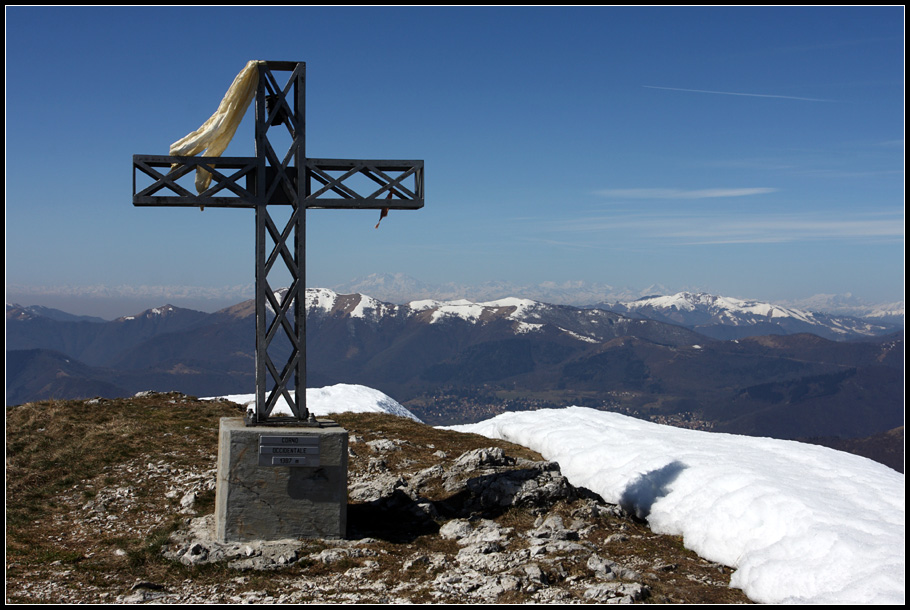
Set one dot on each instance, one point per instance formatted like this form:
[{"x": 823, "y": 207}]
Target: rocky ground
[{"x": 434, "y": 516}]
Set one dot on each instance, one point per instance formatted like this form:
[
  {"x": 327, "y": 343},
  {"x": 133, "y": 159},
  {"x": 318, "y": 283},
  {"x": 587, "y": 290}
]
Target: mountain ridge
[
  {"x": 461, "y": 361},
  {"x": 707, "y": 314},
  {"x": 730, "y": 318},
  {"x": 401, "y": 288}
]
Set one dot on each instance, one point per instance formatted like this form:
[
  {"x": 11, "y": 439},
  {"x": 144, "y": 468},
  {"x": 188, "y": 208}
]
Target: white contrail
[{"x": 783, "y": 97}]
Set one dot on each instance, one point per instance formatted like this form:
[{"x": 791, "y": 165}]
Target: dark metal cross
[{"x": 264, "y": 182}]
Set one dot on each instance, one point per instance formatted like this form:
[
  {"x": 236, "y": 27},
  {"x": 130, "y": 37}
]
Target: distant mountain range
[
  {"x": 459, "y": 361},
  {"x": 729, "y": 318},
  {"x": 401, "y": 288}
]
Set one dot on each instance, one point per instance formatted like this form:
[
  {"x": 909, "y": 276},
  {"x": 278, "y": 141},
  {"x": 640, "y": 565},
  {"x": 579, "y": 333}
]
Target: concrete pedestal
[{"x": 280, "y": 482}]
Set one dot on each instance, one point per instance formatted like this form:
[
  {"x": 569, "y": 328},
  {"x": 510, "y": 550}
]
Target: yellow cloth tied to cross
[{"x": 215, "y": 134}]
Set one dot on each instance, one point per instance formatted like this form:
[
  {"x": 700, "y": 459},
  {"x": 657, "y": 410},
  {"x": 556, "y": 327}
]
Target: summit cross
[{"x": 291, "y": 182}]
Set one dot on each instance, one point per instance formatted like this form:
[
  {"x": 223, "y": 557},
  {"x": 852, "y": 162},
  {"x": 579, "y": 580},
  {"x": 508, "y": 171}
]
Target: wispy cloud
[
  {"x": 651, "y": 193},
  {"x": 781, "y": 97},
  {"x": 706, "y": 229},
  {"x": 790, "y": 229}
]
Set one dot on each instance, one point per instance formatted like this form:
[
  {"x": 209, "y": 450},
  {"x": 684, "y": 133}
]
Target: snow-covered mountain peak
[
  {"x": 511, "y": 307},
  {"x": 425, "y": 304},
  {"x": 320, "y": 298},
  {"x": 688, "y": 301},
  {"x": 521, "y": 305},
  {"x": 18, "y": 312},
  {"x": 717, "y": 305},
  {"x": 153, "y": 313},
  {"x": 727, "y": 317},
  {"x": 354, "y": 305}
]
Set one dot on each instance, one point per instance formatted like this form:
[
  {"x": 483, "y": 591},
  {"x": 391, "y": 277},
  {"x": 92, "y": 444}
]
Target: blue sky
[{"x": 749, "y": 152}]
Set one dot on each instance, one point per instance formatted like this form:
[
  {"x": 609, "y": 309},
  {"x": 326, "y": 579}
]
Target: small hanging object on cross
[{"x": 384, "y": 212}]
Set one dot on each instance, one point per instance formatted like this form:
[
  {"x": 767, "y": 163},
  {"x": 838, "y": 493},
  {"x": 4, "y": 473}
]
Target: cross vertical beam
[
  {"x": 268, "y": 181},
  {"x": 281, "y": 175}
]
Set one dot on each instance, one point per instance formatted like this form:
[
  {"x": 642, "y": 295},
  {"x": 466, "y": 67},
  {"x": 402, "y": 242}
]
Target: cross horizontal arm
[
  {"x": 178, "y": 167},
  {"x": 400, "y": 184},
  {"x": 332, "y": 183}
]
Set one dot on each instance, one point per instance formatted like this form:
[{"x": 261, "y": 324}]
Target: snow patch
[
  {"x": 522, "y": 328},
  {"x": 800, "y": 523},
  {"x": 341, "y": 398},
  {"x": 579, "y": 337}
]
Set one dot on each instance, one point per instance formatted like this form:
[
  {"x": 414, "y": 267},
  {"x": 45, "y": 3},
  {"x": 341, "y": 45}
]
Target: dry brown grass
[{"x": 63, "y": 456}]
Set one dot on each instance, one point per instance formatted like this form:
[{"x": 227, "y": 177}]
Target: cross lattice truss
[
  {"x": 396, "y": 185},
  {"x": 279, "y": 188}
]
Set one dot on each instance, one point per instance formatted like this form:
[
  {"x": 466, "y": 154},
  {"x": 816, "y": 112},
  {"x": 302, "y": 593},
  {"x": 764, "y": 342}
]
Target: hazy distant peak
[
  {"x": 163, "y": 311},
  {"x": 19, "y": 312}
]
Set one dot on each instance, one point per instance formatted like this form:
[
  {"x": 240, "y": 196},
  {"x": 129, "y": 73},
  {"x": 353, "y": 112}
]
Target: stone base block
[{"x": 280, "y": 482}]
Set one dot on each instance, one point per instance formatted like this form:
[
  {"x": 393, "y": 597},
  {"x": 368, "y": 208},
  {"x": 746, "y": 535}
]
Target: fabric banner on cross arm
[{"x": 215, "y": 134}]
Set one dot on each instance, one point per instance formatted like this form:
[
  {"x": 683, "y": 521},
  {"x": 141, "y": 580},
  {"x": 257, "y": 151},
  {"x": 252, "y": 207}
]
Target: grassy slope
[{"x": 94, "y": 491}]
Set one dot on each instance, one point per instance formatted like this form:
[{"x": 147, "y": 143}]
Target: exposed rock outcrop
[{"x": 493, "y": 527}]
